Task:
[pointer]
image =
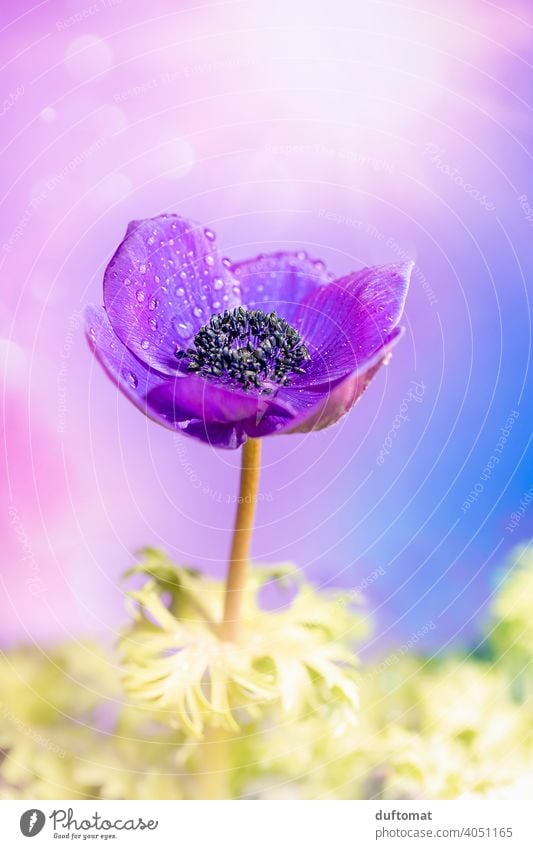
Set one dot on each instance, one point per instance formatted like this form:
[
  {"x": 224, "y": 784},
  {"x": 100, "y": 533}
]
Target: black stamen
[{"x": 250, "y": 347}]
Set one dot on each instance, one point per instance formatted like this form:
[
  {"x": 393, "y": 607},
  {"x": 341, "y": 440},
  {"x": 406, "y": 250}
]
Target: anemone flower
[
  {"x": 231, "y": 352},
  {"x": 226, "y": 351}
]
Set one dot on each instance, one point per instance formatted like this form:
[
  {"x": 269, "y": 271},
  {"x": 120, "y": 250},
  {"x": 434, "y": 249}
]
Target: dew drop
[
  {"x": 130, "y": 378},
  {"x": 150, "y": 240},
  {"x": 226, "y": 261},
  {"x": 154, "y": 303},
  {"x": 153, "y": 323},
  {"x": 209, "y": 260},
  {"x": 145, "y": 344},
  {"x": 142, "y": 268},
  {"x": 127, "y": 281},
  {"x": 183, "y": 328},
  {"x": 180, "y": 291},
  {"x": 92, "y": 334},
  {"x": 209, "y": 234},
  {"x": 140, "y": 296},
  {"x": 183, "y": 275},
  {"x": 216, "y": 305},
  {"x": 218, "y": 283},
  {"x": 198, "y": 311}
]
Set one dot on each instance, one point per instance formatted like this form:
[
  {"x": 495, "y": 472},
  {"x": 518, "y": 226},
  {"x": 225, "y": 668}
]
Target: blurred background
[{"x": 361, "y": 132}]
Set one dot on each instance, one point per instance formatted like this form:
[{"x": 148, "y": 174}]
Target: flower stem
[
  {"x": 215, "y": 754},
  {"x": 242, "y": 538}
]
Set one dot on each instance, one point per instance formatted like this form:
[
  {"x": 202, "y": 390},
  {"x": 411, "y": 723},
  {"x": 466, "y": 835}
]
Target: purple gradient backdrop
[{"x": 361, "y": 132}]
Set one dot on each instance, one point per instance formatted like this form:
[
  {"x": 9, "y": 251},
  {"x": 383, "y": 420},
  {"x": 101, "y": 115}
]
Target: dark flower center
[{"x": 256, "y": 349}]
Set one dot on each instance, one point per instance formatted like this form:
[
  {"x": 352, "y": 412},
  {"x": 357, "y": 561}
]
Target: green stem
[
  {"x": 242, "y": 538},
  {"x": 215, "y": 754}
]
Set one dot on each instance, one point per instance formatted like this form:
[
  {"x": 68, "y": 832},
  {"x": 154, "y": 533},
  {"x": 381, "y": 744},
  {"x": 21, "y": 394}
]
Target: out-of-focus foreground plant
[{"x": 282, "y": 713}]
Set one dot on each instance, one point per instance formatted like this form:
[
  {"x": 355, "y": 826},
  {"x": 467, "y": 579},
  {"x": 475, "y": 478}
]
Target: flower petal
[
  {"x": 217, "y": 435},
  {"x": 132, "y": 376},
  {"x": 137, "y": 380},
  {"x": 195, "y": 397},
  {"x": 162, "y": 285},
  {"x": 345, "y": 323},
  {"x": 279, "y": 281},
  {"x": 315, "y": 408}
]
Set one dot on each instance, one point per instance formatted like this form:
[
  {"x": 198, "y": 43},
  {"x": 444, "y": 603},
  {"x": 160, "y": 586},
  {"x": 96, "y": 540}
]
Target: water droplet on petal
[
  {"x": 209, "y": 260},
  {"x": 130, "y": 378},
  {"x": 142, "y": 268},
  {"x": 226, "y": 261},
  {"x": 198, "y": 311},
  {"x": 140, "y": 296},
  {"x": 127, "y": 281},
  {"x": 216, "y": 305},
  {"x": 209, "y": 234},
  {"x": 153, "y": 323},
  {"x": 92, "y": 334},
  {"x": 150, "y": 240},
  {"x": 154, "y": 303},
  {"x": 184, "y": 329},
  {"x": 180, "y": 291},
  {"x": 218, "y": 283},
  {"x": 145, "y": 344}
]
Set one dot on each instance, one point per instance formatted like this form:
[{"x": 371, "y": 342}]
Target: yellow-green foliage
[{"x": 297, "y": 717}]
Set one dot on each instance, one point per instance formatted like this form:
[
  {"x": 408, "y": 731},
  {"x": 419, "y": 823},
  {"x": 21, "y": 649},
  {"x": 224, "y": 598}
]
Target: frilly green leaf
[{"x": 176, "y": 664}]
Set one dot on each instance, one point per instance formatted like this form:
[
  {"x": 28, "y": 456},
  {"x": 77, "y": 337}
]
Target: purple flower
[{"x": 224, "y": 351}]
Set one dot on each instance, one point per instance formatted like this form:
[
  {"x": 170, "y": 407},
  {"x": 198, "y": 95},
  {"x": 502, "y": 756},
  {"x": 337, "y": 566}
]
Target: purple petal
[
  {"x": 217, "y": 435},
  {"x": 137, "y": 381},
  {"x": 315, "y": 408},
  {"x": 279, "y": 281},
  {"x": 345, "y": 323},
  {"x": 132, "y": 376},
  {"x": 194, "y": 397},
  {"x": 162, "y": 285}
]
